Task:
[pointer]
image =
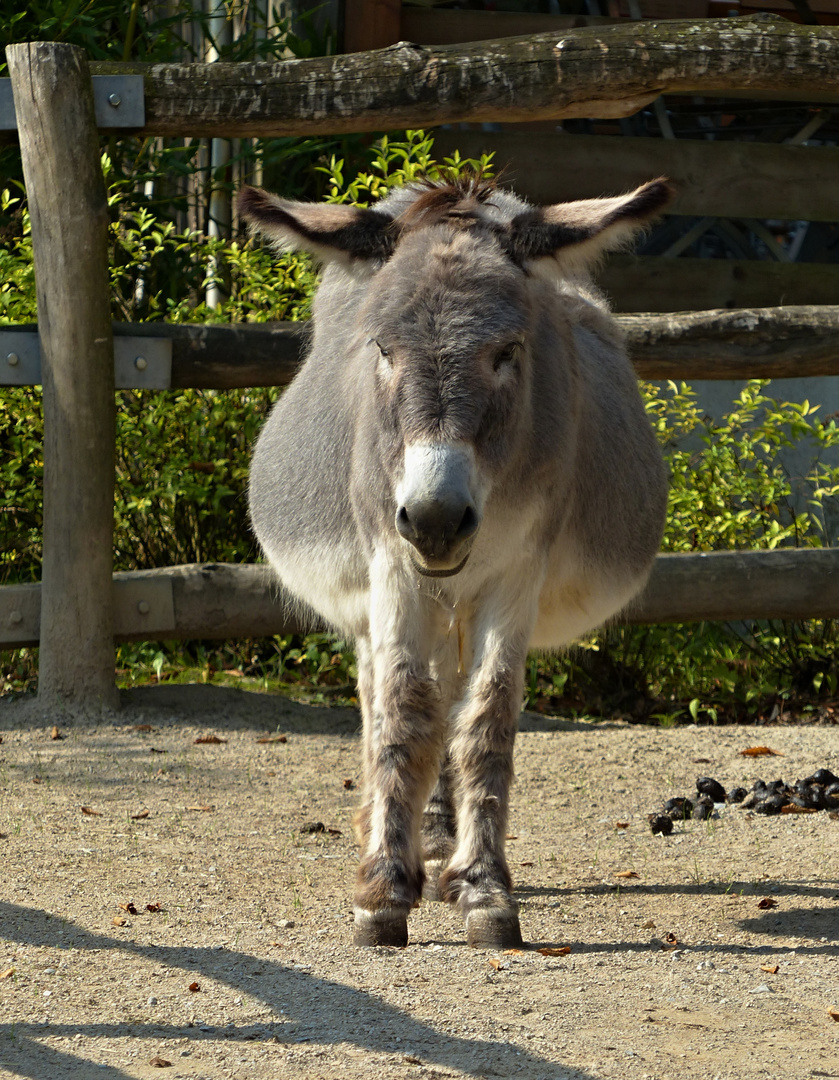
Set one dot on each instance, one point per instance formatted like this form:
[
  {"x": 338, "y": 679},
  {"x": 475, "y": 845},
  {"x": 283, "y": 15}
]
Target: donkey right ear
[{"x": 330, "y": 232}]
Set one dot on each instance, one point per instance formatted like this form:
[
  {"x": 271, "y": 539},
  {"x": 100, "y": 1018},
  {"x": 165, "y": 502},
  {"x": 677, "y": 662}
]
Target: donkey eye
[
  {"x": 507, "y": 355},
  {"x": 384, "y": 352}
]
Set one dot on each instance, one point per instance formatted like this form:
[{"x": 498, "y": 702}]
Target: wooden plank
[
  {"x": 636, "y": 283},
  {"x": 219, "y": 601},
  {"x": 371, "y": 24},
  {"x": 761, "y": 343},
  {"x": 724, "y": 179},
  {"x": 66, "y": 195},
  {"x": 430, "y": 26},
  {"x": 733, "y": 585},
  {"x": 604, "y": 71},
  {"x": 745, "y": 343},
  {"x": 226, "y": 357}
]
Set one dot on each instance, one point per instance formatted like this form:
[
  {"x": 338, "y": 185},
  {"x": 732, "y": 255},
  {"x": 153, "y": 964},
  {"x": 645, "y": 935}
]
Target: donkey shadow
[{"x": 354, "y": 1017}]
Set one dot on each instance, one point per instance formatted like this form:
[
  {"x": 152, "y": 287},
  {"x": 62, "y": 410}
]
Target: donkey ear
[
  {"x": 328, "y": 231},
  {"x": 583, "y": 230}
]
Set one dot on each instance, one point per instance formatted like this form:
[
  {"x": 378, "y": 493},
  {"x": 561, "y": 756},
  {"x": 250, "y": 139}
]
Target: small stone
[
  {"x": 762, "y": 989},
  {"x": 152, "y": 1000},
  {"x": 285, "y": 924}
]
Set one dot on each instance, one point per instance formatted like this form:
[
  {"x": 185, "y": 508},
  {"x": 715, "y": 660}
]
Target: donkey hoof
[
  {"x": 386, "y": 927},
  {"x": 493, "y": 928},
  {"x": 431, "y": 889}
]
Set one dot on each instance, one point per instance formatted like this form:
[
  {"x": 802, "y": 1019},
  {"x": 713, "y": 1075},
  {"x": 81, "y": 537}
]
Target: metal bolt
[
  {"x": 15, "y": 617},
  {"x": 141, "y": 363},
  {"x": 13, "y": 359},
  {"x": 115, "y": 100},
  {"x": 144, "y": 607}
]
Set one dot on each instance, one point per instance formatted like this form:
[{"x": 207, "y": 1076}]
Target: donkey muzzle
[{"x": 437, "y": 513}]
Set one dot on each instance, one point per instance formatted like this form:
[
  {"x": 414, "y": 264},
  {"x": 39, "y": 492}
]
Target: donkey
[{"x": 462, "y": 470}]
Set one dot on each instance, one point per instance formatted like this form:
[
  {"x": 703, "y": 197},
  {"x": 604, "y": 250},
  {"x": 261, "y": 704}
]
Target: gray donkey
[{"x": 461, "y": 471}]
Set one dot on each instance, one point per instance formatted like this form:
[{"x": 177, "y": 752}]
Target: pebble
[
  {"x": 762, "y": 989},
  {"x": 151, "y": 1001}
]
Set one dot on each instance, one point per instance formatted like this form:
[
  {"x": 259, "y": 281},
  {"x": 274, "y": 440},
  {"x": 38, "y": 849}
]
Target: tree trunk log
[
  {"x": 603, "y": 71},
  {"x": 762, "y": 343},
  {"x": 66, "y": 195}
]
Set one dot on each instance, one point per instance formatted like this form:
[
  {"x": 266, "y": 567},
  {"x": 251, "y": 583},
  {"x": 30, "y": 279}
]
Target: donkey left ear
[
  {"x": 328, "y": 231},
  {"x": 587, "y": 228}
]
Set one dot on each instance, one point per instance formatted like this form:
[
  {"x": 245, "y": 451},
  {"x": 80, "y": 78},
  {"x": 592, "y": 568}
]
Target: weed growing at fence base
[{"x": 182, "y": 468}]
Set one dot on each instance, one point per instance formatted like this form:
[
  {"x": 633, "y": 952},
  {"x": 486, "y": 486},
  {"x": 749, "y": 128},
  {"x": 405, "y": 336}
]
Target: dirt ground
[{"x": 247, "y": 969}]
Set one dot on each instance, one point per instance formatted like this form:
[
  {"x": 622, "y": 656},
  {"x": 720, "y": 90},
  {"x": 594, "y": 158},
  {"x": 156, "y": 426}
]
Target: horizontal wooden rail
[
  {"x": 215, "y": 601},
  {"x": 639, "y": 283},
  {"x": 752, "y": 343},
  {"x": 720, "y": 178},
  {"x": 604, "y": 71}
]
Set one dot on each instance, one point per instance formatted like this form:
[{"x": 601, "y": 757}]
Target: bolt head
[
  {"x": 141, "y": 363},
  {"x": 115, "y": 100},
  {"x": 13, "y": 359}
]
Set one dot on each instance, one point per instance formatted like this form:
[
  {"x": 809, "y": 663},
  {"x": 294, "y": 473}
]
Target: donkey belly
[
  {"x": 300, "y": 509},
  {"x": 571, "y": 605}
]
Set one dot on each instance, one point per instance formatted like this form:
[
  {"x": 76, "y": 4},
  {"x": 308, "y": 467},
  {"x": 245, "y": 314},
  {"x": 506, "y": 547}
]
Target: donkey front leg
[
  {"x": 477, "y": 877},
  {"x": 403, "y": 741}
]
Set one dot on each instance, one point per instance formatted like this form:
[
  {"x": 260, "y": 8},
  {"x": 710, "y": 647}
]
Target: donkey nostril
[
  {"x": 404, "y": 525},
  {"x": 468, "y": 524}
]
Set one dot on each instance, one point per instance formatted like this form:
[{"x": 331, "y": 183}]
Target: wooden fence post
[{"x": 66, "y": 192}]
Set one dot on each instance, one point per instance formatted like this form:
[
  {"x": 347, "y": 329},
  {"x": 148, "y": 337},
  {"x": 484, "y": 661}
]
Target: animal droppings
[
  {"x": 661, "y": 824},
  {"x": 819, "y": 791},
  {"x": 706, "y": 785}
]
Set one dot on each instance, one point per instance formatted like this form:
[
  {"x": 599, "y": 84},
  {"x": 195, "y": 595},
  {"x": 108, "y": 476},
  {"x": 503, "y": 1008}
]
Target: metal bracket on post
[
  {"x": 118, "y": 101},
  {"x": 140, "y": 363}
]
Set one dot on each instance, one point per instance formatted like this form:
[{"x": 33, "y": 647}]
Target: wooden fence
[{"x": 80, "y": 607}]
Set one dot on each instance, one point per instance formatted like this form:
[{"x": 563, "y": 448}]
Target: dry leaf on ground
[
  {"x": 155, "y": 905},
  {"x": 118, "y": 920},
  {"x": 833, "y": 1014},
  {"x": 563, "y": 950},
  {"x": 208, "y": 739},
  {"x": 7, "y": 974},
  {"x": 142, "y": 727},
  {"x": 160, "y": 1063},
  {"x": 791, "y": 808},
  {"x": 527, "y": 864},
  {"x": 139, "y": 817},
  {"x": 495, "y": 964},
  {"x": 55, "y": 734},
  {"x": 194, "y": 987},
  {"x": 90, "y": 812},
  {"x": 767, "y": 902},
  {"x": 201, "y": 809},
  {"x": 760, "y": 751},
  {"x": 621, "y": 824},
  {"x": 627, "y": 874},
  {"x": 273, "y": 739},
  {"x": 129, "y": 907},
  {"x": 771, "y": 968}
]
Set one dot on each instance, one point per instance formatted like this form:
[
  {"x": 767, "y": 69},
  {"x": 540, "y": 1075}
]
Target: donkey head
[{"x": 451, "y": 318}]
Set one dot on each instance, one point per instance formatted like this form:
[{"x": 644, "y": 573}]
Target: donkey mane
[{"x": 452, "y": 198}]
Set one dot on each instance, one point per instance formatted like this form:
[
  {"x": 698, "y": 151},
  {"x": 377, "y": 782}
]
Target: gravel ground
[{"x": 245, "y": 968}]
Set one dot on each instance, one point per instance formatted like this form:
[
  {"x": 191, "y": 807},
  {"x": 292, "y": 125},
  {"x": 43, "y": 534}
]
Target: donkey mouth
[{"x": 427, "y": 571}]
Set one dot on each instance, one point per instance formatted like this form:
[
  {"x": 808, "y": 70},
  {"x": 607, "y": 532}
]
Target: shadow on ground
[{"x": 355, "y": 1017}]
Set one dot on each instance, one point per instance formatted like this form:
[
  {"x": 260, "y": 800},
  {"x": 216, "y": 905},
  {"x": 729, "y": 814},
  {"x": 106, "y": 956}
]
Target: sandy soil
[{"x": 247, "y": 970}]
